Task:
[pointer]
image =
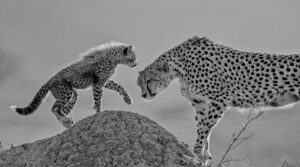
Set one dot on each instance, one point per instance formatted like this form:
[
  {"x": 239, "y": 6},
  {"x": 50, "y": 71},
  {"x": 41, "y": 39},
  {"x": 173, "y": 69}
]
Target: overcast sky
[{"x": 38, "y": 38}]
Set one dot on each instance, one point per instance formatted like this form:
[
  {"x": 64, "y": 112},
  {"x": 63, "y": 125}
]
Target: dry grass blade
[
  {"x": 238, "y": 140},
  {"x": 227, "y": 161}
]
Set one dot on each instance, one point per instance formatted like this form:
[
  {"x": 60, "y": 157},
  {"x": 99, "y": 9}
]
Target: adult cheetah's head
[{"x": 153, "y": 79}]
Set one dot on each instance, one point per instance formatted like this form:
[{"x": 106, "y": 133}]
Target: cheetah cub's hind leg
[
  {"x": 63, "y": 96},
  {"x": 57, "y": 110},
  {"x": 71, "y": 103}
]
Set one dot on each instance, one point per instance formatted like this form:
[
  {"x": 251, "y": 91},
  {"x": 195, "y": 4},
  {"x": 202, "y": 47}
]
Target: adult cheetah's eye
[{"x": 164, "y": 67}]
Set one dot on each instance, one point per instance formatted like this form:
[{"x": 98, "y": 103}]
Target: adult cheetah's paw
[
  {"x": 206, "y": 160},
  {"x": 203, "y": 155},
  {"x": 206, "y": 156},
  {"x": 66, "y": 121}
]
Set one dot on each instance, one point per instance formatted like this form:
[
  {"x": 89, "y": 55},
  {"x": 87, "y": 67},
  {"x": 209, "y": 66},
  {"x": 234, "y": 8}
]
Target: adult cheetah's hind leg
[{"x": 285, "y": 99}]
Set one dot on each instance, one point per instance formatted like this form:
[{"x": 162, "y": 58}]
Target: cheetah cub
[{"x": 94, "y": 69}]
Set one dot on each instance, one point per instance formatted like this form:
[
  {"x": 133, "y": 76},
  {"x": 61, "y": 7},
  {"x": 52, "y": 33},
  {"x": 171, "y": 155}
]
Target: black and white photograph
[{"x": 159, "y": 83}]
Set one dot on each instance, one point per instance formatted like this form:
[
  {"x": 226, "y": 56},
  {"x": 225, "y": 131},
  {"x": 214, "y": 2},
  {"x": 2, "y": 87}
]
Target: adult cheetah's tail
[{"x": 35, "y": 103}]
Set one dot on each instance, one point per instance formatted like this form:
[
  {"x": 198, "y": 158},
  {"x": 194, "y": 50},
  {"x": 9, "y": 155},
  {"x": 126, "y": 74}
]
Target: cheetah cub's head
[
  {"x": 128, "y": 56},
  {"x": 153, "y": 79}
]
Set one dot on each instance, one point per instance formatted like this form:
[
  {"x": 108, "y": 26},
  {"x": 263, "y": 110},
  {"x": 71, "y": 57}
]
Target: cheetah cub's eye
[{"x": 127, "y": 50}]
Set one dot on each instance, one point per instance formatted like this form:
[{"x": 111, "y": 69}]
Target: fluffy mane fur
[{"x": 93, "y": 54}]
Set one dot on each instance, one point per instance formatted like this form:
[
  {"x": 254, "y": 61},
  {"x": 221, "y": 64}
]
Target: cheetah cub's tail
[
  {"x": 35, "y": 103},
  {"x": 14, "y": 108}
]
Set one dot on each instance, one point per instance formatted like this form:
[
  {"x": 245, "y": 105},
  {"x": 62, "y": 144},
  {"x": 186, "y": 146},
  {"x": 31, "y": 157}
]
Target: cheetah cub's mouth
[{"x": 133, "y": 64}]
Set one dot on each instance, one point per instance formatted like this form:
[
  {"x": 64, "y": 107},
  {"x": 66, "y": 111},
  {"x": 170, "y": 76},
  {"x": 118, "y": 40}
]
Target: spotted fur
[
  {"x": 214, "y": 77},
  {"x": 94, "y": 69}
]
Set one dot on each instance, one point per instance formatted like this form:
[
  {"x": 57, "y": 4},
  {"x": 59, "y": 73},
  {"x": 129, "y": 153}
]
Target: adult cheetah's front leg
[
  {"x": 201, "y": 109},
  {"x": 207, "y": 116},
  {"x": 116, "y": 87}
]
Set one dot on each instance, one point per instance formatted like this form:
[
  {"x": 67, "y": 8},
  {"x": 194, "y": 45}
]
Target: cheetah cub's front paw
[
  {"x": 97, "y": 109},
  {"x": 66, "y": 121},
  {"x": 127, "y": 99}
]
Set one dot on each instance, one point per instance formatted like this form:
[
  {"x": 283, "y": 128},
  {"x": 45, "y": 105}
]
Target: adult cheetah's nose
[{"x": 144, "y": 95}]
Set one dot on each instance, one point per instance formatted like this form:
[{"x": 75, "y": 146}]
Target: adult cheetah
[
  {"x": 214, "y": 77},
  {"x": 94, "y": 69}
]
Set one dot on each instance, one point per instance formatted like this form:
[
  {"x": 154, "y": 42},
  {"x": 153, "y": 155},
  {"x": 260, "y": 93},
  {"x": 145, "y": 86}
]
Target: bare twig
[
  {"x": 240, "y": 141},
  {"x": 237, "y": 140}
]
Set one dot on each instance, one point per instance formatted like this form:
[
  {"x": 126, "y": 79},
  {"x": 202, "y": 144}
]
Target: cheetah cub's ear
[{"x": 127, "y": 50}]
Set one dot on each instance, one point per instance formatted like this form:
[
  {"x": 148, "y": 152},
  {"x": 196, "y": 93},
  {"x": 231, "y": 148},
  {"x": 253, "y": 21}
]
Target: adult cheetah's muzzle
[
  {"x": 148, "y": 96},
  {"x": 144, "y": 95}
]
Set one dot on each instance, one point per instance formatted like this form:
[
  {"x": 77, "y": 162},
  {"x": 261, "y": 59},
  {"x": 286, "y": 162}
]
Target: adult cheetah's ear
[
  {"x": 127, "y": 50},
  {"x": 139, "y": 78},
  {"x": 165, "y": 67}
]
